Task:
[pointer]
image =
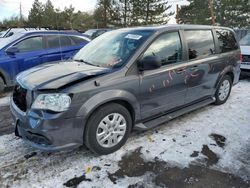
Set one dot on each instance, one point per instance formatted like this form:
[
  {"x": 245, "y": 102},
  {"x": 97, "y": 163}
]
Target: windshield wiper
[{"x": 85, "y": 62}]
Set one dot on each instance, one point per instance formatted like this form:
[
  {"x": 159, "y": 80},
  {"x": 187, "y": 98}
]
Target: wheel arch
[
  {"x": 124, "y": 98},
  {"x": 227, "y": 71}
]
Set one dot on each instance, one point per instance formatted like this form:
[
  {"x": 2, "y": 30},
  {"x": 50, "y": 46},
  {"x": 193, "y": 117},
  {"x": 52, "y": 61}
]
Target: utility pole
[
  {"x": 20, "y": 15},
  {"x": 105, "y": 13},
  {"x": 147, "y": 12},
  {"x": 20, "y": 12},
  {"x": 211, "y": 8},
  {"x": 125, "y": 12},
  {"x": 177, "y": 14}
]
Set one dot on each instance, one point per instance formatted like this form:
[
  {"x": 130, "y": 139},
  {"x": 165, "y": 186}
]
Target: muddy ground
[{"x": 159, "y": 172}]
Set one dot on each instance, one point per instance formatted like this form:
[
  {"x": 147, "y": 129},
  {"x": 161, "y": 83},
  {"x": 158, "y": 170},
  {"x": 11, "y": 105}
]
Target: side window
[
  {"x": 227, "y": 41},
  {"x": 200, "y": 43},
  {"x": 53, "y": 41},
  {"x": 57, "y": 41},
  {"x": 65, "y": 41},
  {"x": 77, "y": 40},
  {"x": 30, "y": 44},
  {"x": 167, "y": 47}
]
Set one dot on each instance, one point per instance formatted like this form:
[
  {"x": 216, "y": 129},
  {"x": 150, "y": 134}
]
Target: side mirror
[
  {"x": 150, "y": 63},
  {"x": 12, "y": 50}
]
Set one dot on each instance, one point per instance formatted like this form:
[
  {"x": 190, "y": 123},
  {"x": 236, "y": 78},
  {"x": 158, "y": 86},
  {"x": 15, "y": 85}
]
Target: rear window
[
  {"x": 78, "y": 40},
  {"x": 227, "y": 41},
  {"x": 245, "y": 41},
  {"x": 200, "y": 43}
]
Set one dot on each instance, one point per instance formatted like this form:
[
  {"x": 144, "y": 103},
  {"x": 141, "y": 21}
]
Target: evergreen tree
[
  {"x": 82, "y": 21},
  {"x": 156, "y": 12},
  {"x": 49, "y": 15},
  {"x": 68, "y": 14},
  {"x": 196, "y": 12},
  {"x": 233, "y": 13},
  {"x": 137, "y": 12},
  {"x": 103, "y": 12},
  {"x": 36, "y": 14}
]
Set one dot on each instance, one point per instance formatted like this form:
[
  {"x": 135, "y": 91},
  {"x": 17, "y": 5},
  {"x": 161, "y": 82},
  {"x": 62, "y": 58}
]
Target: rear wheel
[
  {"x": 108, "y": 129},
  {"x": 223, "y": 91},
  {"x": 2, "y": 85}
]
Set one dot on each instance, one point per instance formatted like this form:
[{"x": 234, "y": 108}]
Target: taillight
[{"x": 241, "y": 58}]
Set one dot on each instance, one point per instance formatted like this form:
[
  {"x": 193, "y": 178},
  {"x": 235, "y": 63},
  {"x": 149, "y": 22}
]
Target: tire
[
  {"x": 226, "y": 85},
  {"x": 2, "y": 85},
  {"x": 112, "y": 136}
]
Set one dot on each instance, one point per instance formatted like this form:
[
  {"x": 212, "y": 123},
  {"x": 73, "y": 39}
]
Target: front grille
[
  {"x": 245, "y": 58},
  {"x": 19, "y": 97}
]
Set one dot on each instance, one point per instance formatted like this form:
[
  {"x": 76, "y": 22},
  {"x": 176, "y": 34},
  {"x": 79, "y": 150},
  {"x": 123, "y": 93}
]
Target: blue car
[{"x": 27, "y": 49}]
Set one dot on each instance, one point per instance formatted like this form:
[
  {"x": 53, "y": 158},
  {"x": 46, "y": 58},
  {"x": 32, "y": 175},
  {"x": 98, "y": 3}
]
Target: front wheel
[
  {"x": 108, "y": 129},
  {"x": 223, "y": 91}
]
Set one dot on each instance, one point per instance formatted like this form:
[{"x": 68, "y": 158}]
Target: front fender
[{"x": 108, "y": 96}]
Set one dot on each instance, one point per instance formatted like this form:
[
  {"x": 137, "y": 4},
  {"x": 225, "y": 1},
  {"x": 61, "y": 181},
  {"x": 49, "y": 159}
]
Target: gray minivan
[{"x": 133, "y": 78}]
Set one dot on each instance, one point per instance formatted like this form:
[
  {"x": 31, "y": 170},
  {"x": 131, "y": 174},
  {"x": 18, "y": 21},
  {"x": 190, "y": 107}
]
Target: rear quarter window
[{"x": 227, "y": 41}]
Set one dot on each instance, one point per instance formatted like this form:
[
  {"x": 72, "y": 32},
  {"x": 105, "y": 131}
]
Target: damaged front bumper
[{"x": 48, "y": 131}]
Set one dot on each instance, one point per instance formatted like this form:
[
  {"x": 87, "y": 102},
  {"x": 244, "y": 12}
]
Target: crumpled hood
[{"x": 57, "y": 75}]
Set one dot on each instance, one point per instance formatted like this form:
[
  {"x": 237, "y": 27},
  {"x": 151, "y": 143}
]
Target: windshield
[
  {"x": 5, "y": 41},
  {"x": 112, "y": 49},
  {"x": 245, "y": 41}
]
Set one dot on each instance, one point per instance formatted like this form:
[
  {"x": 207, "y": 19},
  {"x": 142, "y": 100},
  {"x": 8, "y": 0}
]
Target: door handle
[
  {"x": 180, "y": 71},
  {"x": 194, "y": 68}
]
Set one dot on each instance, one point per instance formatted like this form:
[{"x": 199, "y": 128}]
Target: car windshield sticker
[{"x": 134, "y": 37}]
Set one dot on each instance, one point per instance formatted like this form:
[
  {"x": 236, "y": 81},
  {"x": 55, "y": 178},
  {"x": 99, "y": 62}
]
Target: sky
[{"x": 10, "y": 8}]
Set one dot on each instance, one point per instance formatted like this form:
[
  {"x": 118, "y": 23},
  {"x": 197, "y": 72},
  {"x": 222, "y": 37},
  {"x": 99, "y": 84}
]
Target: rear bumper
[
  {"x": 237, "y": 72},
  {"x": 245, "y": 66},
  {"x": 48, "y": 132}
]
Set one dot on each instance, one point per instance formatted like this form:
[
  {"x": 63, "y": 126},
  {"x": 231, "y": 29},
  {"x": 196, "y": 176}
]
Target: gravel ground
[{"x": 206, "y": 148}]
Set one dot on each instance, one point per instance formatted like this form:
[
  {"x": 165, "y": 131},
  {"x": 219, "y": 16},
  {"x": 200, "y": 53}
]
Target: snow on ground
[
  {"x": 5, "y": 101},
  {"x": 173, "y": 143}
]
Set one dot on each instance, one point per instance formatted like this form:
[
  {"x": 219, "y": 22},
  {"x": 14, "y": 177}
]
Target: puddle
[
  {"x": 133, "y": 165},
  {"x": 74, "y": 182},
  {"x": 219, "y": 139},
  {"x": 195, "y": 154},
  {"x": 28, "y": 156},
  {"x": 212, "y": 158}
]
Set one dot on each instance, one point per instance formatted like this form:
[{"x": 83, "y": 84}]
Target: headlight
[{"x": 55, "y": 102}]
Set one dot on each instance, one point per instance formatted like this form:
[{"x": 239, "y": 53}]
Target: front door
[
  {"x": 31, "y": 53},
  {"x": 163, "y": 89},
  {"x": 59, "y": 47}
]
